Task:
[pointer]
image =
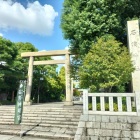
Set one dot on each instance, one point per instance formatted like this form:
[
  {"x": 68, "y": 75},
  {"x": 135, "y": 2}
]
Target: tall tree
[
  {"x": 8, "y": 53},
  {"x": 108, "y": 64},
  {"x": 84, "y": 20}
]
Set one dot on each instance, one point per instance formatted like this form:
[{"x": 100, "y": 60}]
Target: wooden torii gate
[{"x": 66, "y": 61}]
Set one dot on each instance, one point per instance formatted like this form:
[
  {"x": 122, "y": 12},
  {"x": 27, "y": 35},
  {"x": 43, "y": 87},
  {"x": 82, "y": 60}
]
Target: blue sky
[{"x": 37, "y": 22}]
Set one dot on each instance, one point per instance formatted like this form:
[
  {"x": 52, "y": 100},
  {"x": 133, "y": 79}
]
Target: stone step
[
  {"x": 43, "y": 116},
  {"x": 51, "y": 115},
  {"x": 41, "y": 108},
  {"x": 10, "y": 132},
  {"x": 50, "y": 110},
  {"x": 49, "y": 129},
  {"x": 50, "y": 135},
  {"x": 55, "y": 113},
  {"x": 45, "y": 109},
  {"x": 53, "y": 132},
  {"x": 5, "y": 112},
  {"x": 49, "y": 125},
  {"x": 6, "y": 122},
  {"x": 14, "y": 127},
  {"x": 43, "y": 113},
  {"x": 50, "y": 122},
  {"x": 50, "y": 118},
  {"x": 7, "y": 117}
]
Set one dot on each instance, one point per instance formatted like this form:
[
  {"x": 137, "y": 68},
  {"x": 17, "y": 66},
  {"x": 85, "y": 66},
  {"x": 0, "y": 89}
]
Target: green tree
[
  {"x": 108, "y": 64},
  {"x": 8, "y": 53},
  {"x": 62, "y": 82},
  {"x": 84, "y": 20},
  {"x": 21, "y": 64},
  {"x": 62, "y": 76},
  {"x": 15, "y": 67}
]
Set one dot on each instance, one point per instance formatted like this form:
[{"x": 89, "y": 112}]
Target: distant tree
[
  {"x": 61, "y": 76},
  {"x": 62, "y": 82},
  {"x": 107, "y": 65}
]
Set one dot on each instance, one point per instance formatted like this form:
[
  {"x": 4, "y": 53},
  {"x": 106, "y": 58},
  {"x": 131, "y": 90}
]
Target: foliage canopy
[
  {"x": 108, "y": 64},
  {"x": 84, "y": 20}
]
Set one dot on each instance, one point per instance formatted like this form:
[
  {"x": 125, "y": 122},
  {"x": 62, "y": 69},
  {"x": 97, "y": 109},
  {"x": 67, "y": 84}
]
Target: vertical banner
[
  {"x": 19, "y": 102},
  {"x": 134, "y": 48}
]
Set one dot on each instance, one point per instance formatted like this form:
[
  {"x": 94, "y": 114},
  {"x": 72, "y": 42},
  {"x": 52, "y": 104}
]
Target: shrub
[
  {"x": 115, "y": 106},
  {"x": 76, "y": 92}
]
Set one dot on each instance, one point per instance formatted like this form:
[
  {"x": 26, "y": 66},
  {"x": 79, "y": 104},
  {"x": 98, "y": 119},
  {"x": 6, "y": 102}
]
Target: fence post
[
  {"x": 85, "y": 101},
  {"x": 138, "y": 102}
]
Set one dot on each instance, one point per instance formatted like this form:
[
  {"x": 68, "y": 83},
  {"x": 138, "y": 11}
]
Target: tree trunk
[{"x": 13, "y": 95}]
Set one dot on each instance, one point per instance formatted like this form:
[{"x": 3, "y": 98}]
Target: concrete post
[
  {"x": 29, "y": 82},
  {"x": 68, "y": 87}
]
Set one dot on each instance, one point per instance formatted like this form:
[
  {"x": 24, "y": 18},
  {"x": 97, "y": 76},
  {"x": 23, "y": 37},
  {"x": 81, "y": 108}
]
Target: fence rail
[{"x": 120, "y": 100}]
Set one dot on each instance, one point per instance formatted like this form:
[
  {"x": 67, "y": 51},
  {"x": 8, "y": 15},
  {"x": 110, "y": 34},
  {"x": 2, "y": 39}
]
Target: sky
[{"x": 34, "y": 21}]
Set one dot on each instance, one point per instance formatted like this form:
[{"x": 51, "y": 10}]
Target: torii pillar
[
  {"x": 29, "y": 82},
  {"x": 68, "y": 81}
]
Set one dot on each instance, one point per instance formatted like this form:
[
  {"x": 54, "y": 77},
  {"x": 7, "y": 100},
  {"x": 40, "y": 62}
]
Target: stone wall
[{"x": 103, "y": 127}]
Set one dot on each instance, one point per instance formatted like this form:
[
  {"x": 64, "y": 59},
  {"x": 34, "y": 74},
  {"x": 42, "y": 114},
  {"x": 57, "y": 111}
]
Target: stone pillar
[
  {"x": 134, "y": 48},
  {"x": 68, "y": 86},
  {"x": 29, "y": 82},
  {"x": 138, "y": 103},
  {"x": 85, "y": 101},
  {"x": 72, "y": 89}
]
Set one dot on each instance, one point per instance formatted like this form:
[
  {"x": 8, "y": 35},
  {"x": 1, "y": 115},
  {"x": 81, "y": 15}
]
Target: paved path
[{"x": 10, "y": 137}]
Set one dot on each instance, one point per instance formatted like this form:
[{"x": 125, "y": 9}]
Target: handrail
[{"x": 110, "y": 98}]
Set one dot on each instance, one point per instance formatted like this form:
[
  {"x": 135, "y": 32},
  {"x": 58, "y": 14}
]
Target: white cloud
[
  {"x": 1, "y": 34},
  {"x": 36, "y": 19}
]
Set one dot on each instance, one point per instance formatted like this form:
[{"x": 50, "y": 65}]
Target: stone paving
[{"x": 11, "y": 137}]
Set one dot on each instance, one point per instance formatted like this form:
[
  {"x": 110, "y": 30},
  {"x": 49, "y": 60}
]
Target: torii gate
[{"x": 66, "y": 61}]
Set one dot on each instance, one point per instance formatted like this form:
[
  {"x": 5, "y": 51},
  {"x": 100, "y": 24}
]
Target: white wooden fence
[{"x": 110, "y": 97}]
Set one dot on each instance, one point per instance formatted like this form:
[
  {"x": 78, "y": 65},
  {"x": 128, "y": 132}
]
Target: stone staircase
[{"x": 49, "y": 121}]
